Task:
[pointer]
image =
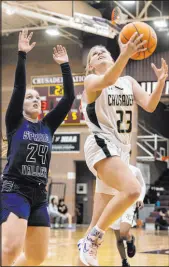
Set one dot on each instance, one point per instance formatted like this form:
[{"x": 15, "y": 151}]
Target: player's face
[
  {"x": 100, "y": 56},
  {"x": 32, "y": 103}
]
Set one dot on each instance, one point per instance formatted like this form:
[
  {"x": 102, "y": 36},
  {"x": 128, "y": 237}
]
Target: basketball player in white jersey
[
  {"x": 107, "y": 104},
  {"x": 122, "y": 226}
]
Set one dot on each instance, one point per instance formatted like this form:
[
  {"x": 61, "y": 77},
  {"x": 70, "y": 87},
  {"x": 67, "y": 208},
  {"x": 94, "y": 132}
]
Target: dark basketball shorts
[{"x": 28, "y": 202}]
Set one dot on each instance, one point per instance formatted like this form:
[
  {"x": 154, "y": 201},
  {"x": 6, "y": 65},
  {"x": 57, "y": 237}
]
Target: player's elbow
[{"x": 150, "y": 109}]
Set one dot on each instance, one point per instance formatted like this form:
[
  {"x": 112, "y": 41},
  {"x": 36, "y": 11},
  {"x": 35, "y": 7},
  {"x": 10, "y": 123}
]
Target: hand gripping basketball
[
  {"x": 134, "y": 45},
  {"x": 149, "y": 35}
]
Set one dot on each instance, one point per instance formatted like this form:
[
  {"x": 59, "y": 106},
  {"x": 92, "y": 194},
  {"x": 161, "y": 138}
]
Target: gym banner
[
  {"x": 66, "y": 142},
  {"x": 150, "y": 86}
]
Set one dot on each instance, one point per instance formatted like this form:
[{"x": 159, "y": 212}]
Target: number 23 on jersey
[{"x": 120, "y": 122}]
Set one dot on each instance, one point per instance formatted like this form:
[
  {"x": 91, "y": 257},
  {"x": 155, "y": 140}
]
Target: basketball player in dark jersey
[{"x": 24, "y": 216}]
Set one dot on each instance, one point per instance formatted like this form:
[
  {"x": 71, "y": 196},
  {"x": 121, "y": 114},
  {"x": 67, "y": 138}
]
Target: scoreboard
[{"x": 51, "y": 91}]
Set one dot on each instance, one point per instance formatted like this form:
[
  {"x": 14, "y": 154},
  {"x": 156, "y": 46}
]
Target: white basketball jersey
[{"x": 111, "y": 113}]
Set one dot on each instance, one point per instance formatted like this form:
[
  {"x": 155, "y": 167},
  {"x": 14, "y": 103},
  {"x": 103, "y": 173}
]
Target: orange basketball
[{"x": 149, "y": 35}]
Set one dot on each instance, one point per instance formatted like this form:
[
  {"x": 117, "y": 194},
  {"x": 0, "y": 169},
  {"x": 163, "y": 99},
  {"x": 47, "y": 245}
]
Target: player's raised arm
[
  {"x": 146, "y": 101},
  {"x": 55, "y": 117},
  {"x": 95, "y": 82},
  {"x": 15, "y": 107}
]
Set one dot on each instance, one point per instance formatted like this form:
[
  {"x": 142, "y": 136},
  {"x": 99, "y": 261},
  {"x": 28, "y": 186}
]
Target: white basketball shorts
[
  {"x": 98, "y": 147},
  {"x": 127, "y": 217}
]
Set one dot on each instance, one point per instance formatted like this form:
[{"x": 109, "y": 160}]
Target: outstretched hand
[
  {"x": 161, "y": 73},
  {"x": 60, "y": 54},
  {"x": 24, "y": 41}
]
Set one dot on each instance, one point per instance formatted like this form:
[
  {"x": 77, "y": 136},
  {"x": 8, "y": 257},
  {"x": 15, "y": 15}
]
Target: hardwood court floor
[{"x": 63, "y": 249}]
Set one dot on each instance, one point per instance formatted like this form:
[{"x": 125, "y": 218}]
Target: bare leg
[
  {"x": 36, "y": 247},
  {"x": 120, "y": 245},
  {"x": 125, "y": 231},
  {"x": 130, "y": 240},
  {"x": 116, "y": 174},
  {"x": 100, "y": 202},
  {"x": 13, "y": 237}
]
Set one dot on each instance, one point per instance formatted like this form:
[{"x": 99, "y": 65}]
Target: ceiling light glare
[
  {"x": 52, "y": 32},
  {"x": 128, "y": 2},
  {"x": 160, "y": 23},
  {"x": 9, "y": 11}
]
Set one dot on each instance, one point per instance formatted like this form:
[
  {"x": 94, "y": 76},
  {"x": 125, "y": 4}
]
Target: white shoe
[
  {"x": 79, "y": 243},
  {"x": 89, "y": 247},
  {"x": 88, "y": 252},
  {"x": 56, "y": 225}
]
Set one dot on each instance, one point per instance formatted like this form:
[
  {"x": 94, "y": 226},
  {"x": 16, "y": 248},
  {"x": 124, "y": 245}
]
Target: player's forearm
[
  {"x": 143, "y": 192},
  {"x": 113, "y": 73},
  {"x": 20, "y": 74},
  {"x": 154, "y": 98},
  {"x": 56, "y": 116},
  {"x": 67, "y": 81},
  {"x": 15, "y": 107}
]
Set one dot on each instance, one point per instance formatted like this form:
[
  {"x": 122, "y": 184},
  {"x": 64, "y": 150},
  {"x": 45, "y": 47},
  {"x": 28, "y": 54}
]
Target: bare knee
[
  {"x": 134, "y": 192},
  {"x": 12, "y": 249},
  {"x": 123, "y": 234},
  {"x": 36, "y": 260}
]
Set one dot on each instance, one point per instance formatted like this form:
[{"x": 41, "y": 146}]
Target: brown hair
[
  {"x": 32, "y": 90},
  {"x": 89, "y": 58}
]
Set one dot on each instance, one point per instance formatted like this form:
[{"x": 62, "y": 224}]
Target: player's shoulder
[
  {"x": 129, "y": 78},
  {"x": 90, "y": 77}
]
